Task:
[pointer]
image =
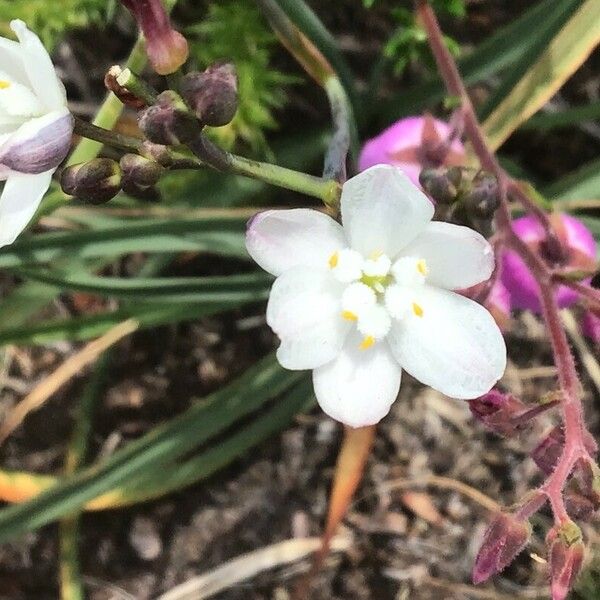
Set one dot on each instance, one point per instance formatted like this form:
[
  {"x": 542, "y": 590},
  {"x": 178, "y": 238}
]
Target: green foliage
[
  {"x": 235, "y": 31},
  {"x": 50, "y": 19},
  {"x": 409, "y": 43}
]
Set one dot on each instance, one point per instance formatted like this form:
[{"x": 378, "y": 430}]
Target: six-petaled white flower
[
  {"x": 35, "y": 128},
  {"x": 359, "y": 303}
]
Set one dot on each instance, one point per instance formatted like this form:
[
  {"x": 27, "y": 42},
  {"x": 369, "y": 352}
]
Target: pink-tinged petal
[
  {"x": 279, "y": 240},
  {"x": 399, "y": 145},
  {"x": 40, "y": 70},
  {"x": 40, "y": 144},
  {"x": 20, "y": 199},
  {"x": 457, "y": 257},
  {"x": 358, "y": 387},
  {"x": 383, "y": 211},
  {"x": 304, "y": 310},
  {"x": 450, "y": 343}
]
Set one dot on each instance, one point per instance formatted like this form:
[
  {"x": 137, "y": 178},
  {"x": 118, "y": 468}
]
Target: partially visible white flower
[
  {"x": 35, "y": 128},
  {"x": 359, "y": 303}
]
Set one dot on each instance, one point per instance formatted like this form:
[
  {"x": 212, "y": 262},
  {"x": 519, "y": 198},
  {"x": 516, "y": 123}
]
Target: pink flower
[
  {"x": 590, "y": 326},
  {"x": 516, "y": 277},
  {"x": 413, "y": 144},
  {"x": 167, "y": 49}
]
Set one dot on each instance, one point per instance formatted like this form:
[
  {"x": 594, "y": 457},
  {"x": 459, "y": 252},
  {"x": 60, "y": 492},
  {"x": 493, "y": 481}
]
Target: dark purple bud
[
  {"x": 39, "y": 145},
  {"x": 504, "y": 539},
  {"x": 498, "y": 411},
  {"x": 167, "y": 49},
  {"x": 96, "y": 181},
  {"x": 565, "y": 557},
  {"x": 213, "y": 94},
  {"x": 483, "y": 197},
  {"x": 169, "y": 122},
  {"x": 548, "y": 451},
  {"x": 441, "y": 183},
  {"x": 139, "y": 170}
]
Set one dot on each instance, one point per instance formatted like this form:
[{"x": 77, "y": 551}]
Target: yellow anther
[
  {"x": 422, "y": 267},
  {"x": 349, "y": 315},
  {"x": 375, "y": 254},
  {"x": 4, "y": 84},
  {"x": 333, "y": 260},
  {"x": 417, "y": 309},
  {"x": 367, "y": 342}
]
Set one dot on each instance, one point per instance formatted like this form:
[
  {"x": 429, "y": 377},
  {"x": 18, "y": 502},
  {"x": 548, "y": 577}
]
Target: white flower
[
  {"x": 35, "y": 128},
  {"x": 359, "y": 303}
]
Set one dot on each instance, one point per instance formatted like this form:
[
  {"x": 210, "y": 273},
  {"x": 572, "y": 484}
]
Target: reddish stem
[{"x": 572, "y": 411}]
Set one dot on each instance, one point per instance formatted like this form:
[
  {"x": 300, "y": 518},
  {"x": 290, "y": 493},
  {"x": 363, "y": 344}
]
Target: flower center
[{"x": 378, "y": 291}]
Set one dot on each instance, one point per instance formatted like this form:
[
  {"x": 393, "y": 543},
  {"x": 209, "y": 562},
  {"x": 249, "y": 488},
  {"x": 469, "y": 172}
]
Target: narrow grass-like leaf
[
  {"x": 569, "y": 48},
  {"x": 227, "y": 289},
  {"x": 221, "y": 236},
  {"x": 544, "y": 121},
  {"x": 163, "y": 445},
  {"x": 581, "y": 184},
  {"x": 504, "y": 48}
]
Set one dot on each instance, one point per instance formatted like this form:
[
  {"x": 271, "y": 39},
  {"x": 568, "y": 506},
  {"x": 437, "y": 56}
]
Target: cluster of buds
[
  {"x": 101, "y": 179},
  {"x": 463, "y": 195},
  {"x": 508, "y": 533}
]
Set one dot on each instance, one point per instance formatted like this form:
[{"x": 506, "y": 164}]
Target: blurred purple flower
[
  {"x": 413, "y": 144},
  {"x": 516, "y": 277},
  {"x": 167, "y": 49}
]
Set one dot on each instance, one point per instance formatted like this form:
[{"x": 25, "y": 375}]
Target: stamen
[
  {"x": 375, "y": 254},
  {"x": 4, "y": 84},
  {"x": 422, "y": 267},
  {"x": 349, "y": 315},
  {"x": 367, "y": 342},
  {"x": 417, "y": 309},
  {"x": 333, "y": 260}
]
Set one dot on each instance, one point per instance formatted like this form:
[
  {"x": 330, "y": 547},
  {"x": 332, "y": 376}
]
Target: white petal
[
  {"x": 281, "y": 239},
  {"x": 382, "y": 211},
  {"x": 40, "y": 70},
  {"x": 455, "y": 345},
  {"x": 359, "y": 386},
  {"x": 11, "y": 61},
  {"x": 305, "y": 311},
  {"x": 17, "y": 100},
  {"x": 20, "y": 198},
  {"x": 456, "y": 257}
]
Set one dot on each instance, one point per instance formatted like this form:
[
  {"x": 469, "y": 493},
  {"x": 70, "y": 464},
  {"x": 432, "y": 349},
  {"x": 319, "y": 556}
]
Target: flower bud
[
  {"x": 169, "y": 122},
  {"x": 123, "y": 94},
  {"x": 96, "y": 181},
  {"x": 497, "y": 411},
  {"x": 212, "y": 95},
  {"x": 548, "y": 451},
  {"x": 139, "y": 170},
  {"x": 167, "y": 49},
  {"x": 483, "y": 197},
  {"x": 566, "y": 552},
  {"x": 39, "y": 145},
  {"x": 441, "y": 184},
  {"x": 579, "y": 506},
  {"x": 504, "y": 539}
]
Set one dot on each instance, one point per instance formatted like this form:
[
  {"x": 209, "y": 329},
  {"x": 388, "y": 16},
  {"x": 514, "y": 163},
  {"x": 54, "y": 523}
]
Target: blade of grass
[
  {"x": 563, "y": 118},
  {"x": 161, "y": 446},
  {"x": 501, "y": 50},
  {"x": 569, "y": 48},
  {"x": 582, "y": 183},
  {"x": 71, "y": 585}
]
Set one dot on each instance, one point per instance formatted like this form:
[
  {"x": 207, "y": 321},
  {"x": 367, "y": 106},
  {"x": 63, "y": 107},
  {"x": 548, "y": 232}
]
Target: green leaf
[
  {"x": 220, "y": 236},
  {"x": 560, "y": 59},
  {"x": 222, "y": 289},
  {"x": 581, "y": 184},
  {"x": 544, "y": 121},
  {"x": 501, "y": 50},
  {"x": 163, "y": 445}
]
